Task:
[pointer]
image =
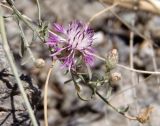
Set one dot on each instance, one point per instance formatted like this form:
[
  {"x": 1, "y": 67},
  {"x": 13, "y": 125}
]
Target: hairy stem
[
  {"x": 39, "y": 12},
  {"x": 21, "y": 17},
  {"x": 26, "y": 43},
  {"x": 114, "y": 108}
]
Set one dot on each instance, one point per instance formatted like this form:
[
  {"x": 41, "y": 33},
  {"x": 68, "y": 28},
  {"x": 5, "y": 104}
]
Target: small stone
[
  {"x": 39, "y": 63},
  {"x": 99, "y": 38}
]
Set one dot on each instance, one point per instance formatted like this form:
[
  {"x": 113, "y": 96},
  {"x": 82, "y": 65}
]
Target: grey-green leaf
[
  {"x": 123, "y": 109},
  {"x": 22, "y": 47}
]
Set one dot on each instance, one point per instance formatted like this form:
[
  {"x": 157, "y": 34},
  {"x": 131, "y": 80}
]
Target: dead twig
[
  {"x": 144, "y": 5},
  {"x": 45, "y": 101}
]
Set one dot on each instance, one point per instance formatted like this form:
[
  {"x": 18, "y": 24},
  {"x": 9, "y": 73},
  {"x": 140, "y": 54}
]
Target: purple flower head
[{"x": 76, "y": 40}]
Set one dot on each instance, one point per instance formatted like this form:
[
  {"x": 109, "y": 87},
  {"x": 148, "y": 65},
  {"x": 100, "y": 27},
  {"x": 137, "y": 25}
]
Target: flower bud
[
  {"x": 115, "y": 77},
  {"x": 112, "y": 59},
  {"x": 39, "y": 63}
]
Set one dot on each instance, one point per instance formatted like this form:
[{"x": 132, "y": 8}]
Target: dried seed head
[
  {"x": 112, "y": 59},
  {"x": 39, "y": 63},
  {"x": 115, "y": 77},
  {"x": 144, "y": 116}
]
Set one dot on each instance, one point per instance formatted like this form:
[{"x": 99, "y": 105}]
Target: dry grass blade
[
  {"x": 101, "y": 12},
  {"x": 144, "y": 5},
  {"x": 45, "y": 94},
  {"x": 15, "y": 71}
]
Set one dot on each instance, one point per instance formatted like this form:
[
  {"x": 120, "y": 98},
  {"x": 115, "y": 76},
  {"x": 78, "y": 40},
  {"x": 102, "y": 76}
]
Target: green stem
[
  {"x": 106, "y": 101},
  {"x": 114, "y": 108},
  {"x": 14, "y": 69},
  {"x": 26, "y": 42},
  {"x": 39, "y": 12},
  {"x": 20, "y": 16}
]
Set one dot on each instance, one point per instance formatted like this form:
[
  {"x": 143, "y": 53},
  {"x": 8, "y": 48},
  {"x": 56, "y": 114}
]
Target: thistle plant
[
  {"x": 72, "y": 45},
  {"x": 77, "y": 41}
]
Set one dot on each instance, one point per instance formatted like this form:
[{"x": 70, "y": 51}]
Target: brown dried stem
[
  {"x": 45, "y": 94},
  {"x": 144, "y": 5}
]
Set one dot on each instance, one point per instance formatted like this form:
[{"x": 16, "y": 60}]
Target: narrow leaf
[
  {"x": 123, "y": 109},
  {"x": 22, "y": 47}
]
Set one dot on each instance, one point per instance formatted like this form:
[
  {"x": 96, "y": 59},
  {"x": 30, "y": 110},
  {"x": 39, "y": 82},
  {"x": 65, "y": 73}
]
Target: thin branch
[
  {"x": 128, "y": 26},
  {"x": 129, "y": 88},
  {"x": 29, "y": 19},
  {"x": 127, "y": 68},
  {"x": 133, "y": 81},
  {"x": 105, "y": 100},
  {"x": 9, "y": 8},
  {"x": 155, "y": 67},
  {"x": 39, "y": 12},
  {"x": 101, "y": 12},
  {"x": 131, "y": 49},
  {"x": 21, "y": 17},
  {"x": 25, "y": 19},
  {"x": 122, "y": 92},
  {"x": 138, "y": 71},
  {"x": 15, "y": 72},
  {"x": 114, "y": 108},
  {"x": 144, "y": 5},
  {"x": 45, "y": 95},
  {"x": 26, "y": 43},
  {"x": 3, "y": 5}
]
